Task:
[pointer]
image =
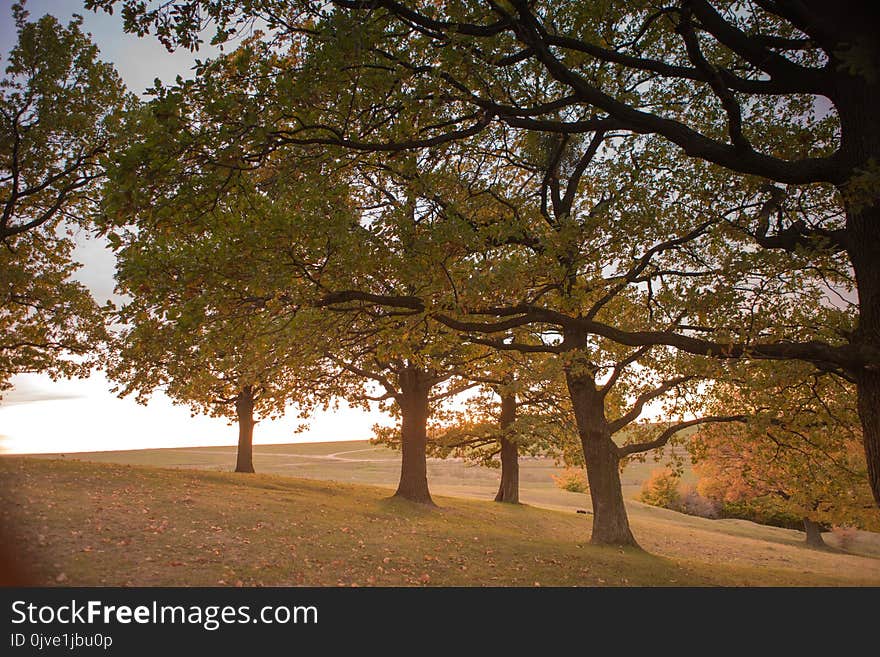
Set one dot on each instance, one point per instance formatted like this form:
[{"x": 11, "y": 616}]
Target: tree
[
  {"x": 49, "y": 323},
  {"x": 540, "y": 268},
  {"x": 59, "y": 112},
  {"x": 191, "y": 326},
  {"x": 799, "y": 454},
  {"x": 412, "y": 388},
  {"x": 732, "y": 84},
  {"x": 416, "y": 362},
  {"x": 521, "y": 408},
  {"x": 218, "y": 264}
]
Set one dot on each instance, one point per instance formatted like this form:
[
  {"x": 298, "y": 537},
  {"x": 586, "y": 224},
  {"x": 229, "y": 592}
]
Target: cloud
[
  {"x": 19, "y": 396},
  {"x": 28, "y": 388}
]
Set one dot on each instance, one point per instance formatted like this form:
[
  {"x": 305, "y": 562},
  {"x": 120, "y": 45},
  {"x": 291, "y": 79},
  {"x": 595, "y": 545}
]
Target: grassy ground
[
  {"x": 363, "y": 463},
  {"x": 79, "y": 522}
]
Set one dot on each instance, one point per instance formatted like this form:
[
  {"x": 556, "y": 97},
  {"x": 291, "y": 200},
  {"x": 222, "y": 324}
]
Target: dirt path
[{"x": 335, "y": 456}]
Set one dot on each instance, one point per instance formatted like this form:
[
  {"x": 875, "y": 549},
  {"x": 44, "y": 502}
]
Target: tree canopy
[
  {"x": 60, "y": 111},
  {"x": 782, "y": 92}
]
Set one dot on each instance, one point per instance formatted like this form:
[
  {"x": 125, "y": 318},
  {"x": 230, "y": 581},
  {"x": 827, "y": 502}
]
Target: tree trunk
[
  {"x": 414, "y": 388},
  {"x": 508, "y": 491},
  {"x": 864, "y": 251},
  {"x": 814, "y": 534},
  {"x": 244, "y": 409},
  {"x": 869, "y": 414},
  {"x": 610, "y": 521},
  {"x": 857, "y": 100}
]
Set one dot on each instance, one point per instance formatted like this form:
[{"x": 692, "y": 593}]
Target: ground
[{"x": 320, "y": 514}]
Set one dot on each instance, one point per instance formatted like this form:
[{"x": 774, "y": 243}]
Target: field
[{"x": 319, "y": 514}]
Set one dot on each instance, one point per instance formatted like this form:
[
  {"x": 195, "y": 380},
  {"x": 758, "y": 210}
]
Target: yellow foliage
[{"x": 572, "y": 479}]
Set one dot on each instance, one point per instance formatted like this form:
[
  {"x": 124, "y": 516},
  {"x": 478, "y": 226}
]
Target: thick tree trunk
[
  {"x": 414, "y": 388},
  {"x": 244, "y": 409},
  {"x": 863, "y": 227},
  {"x": 508, "y": 491},
  {"x": 814, "y": 534},
  {"x": 869, "y": 414},
  {"x": 610, "y": 521},
  {"x": 857, "y": 100}
]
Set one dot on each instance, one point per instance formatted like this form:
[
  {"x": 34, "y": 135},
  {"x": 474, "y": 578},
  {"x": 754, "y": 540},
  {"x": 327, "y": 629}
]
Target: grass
[
  {"x": 95, "y": 522},
  {"x": 358, "y": 461}
]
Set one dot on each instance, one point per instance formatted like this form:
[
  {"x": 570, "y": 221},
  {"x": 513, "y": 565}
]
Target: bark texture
[
  {"x": 415, "y": 384},
  {"x": 814, "y": 534},
  {"x": 244, "y": 409},
  {"x": 508, "y": 490},
  {"x": 610, "y": 521}
]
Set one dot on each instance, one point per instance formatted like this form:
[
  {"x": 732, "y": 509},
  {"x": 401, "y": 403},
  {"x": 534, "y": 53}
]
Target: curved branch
[
  {"x": 620, "y": 366},
  {"x": 695, "y": 144},
  {"x": 664, "y": 437},
  {"x": 644, "y": 398},
  {"x": 392, "y": 392}
]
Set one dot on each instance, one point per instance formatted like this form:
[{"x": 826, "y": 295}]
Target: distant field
[
  {"x": 116, "y": 518},
  {"x": 360, "y": 462}
]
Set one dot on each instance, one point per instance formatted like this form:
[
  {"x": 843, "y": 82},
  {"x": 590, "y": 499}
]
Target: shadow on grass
[{"x": 408, "y": 508}]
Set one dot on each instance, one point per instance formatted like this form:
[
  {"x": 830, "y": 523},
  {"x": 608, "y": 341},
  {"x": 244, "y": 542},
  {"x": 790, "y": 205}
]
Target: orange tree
[{"x": 799, "y": 455}]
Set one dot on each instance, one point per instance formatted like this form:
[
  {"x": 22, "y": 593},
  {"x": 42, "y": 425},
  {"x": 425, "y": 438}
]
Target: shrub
[
  {"x": 661, "y": 489},
  {"x": 694, "y": 504},
  {"x": 664, "y": 489},
  {"x": 846, "y": 537},
  {"x": 572, "y": 479}
]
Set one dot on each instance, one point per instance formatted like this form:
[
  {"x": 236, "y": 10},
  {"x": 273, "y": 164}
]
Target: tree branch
[
  {"x": 664, "y": 437},
  {"x": 644, "y": 398}
]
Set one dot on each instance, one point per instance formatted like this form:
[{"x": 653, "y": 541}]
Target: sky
[{"x": 44, "y": 416}]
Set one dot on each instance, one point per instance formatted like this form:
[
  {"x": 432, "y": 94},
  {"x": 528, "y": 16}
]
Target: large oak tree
[{"x": 198, "y": 325}]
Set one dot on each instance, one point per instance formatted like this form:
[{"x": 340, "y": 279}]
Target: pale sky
[{"x": 40, "y": 415}]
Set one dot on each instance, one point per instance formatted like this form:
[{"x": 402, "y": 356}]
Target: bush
[
  {"x": 846, "y": 537},
  {"x": 664, "y": 489},
  {"x": 661, "y": 489},
  {"x": 572, "y": 479},
  {"x": 694, "y": 504}
]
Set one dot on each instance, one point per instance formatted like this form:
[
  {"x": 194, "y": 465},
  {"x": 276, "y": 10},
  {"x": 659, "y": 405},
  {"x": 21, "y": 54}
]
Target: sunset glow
[{"x": 84, "y": 416}]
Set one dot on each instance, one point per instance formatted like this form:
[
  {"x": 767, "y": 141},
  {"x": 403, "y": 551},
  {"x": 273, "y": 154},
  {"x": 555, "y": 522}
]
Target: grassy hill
[
  {"x": 357, "y": 461},
  {"x": 86, "y": 522}
]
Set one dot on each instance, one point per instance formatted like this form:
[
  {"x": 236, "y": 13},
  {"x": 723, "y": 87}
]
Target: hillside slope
[{"x": 82, "y": 523}]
